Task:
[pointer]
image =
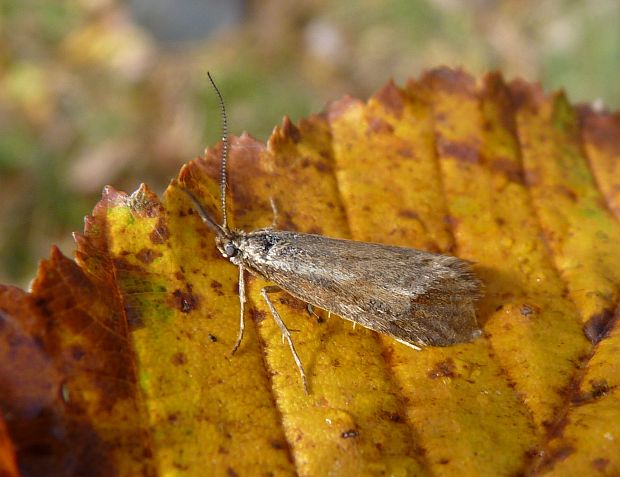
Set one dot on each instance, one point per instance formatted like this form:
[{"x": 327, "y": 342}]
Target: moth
[{"x": 416, "y": 297}]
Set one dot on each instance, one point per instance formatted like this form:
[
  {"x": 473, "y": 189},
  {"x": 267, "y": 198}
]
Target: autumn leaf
[{"x": 119, "y": 363}]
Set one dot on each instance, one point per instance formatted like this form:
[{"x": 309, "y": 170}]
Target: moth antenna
[
  {"x": 206, "y": 218},
  {"x": 224, "y": 163}
]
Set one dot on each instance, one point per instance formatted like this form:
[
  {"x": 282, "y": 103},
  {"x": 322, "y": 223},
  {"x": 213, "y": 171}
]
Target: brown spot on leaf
[
  {"x": 122, "y": 264},
  {"x": 179, "y": 359},
  {"x": 461, "y": 151},
  {"x": 508, "y": 168},
  {"x": 555, "y": 429},
  {"x": 257, "y": 315},
  {"x": 531, "y": 453},
  {"x": 230, "y": 472},
  {"x": 598, "y": 325},
  {"x": 452, "y": 221},
  {"x": 451, "y": 80},
  {"x": 566, "y": 192},
  {"x": 405, "y": 152},
  {"x": 394, "y": 417},
  {"x": 598, "y": 388},
  {"x": 378, "y": 126},
  {"x": 184, "y": 301},
  {"x": 532, "y": 177},
  {"x": 290, "y": 130},
  {"x": 217, "y": 287},
  {"x": 392, "y": 98},
  {"x": 408, "y": 214},
  {"x": 602, "y": 130},
  {"x": 443, "y": 369},
  {"x": 494, "y": 87},
  {"x": 134, "y": 317},
  {"x": 563, "y": 452},
  {"x": 147, "y": 255},
  {"x": 600, "y": 464},
  {"x": 277, "y": 445},
  {"x": 77, "y": 352},
  {"x": 324, "y": 166},
  {"x": 525, "y": 95}
]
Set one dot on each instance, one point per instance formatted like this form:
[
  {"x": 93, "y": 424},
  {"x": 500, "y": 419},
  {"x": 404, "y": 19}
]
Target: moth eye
[{"x": 230, "y": 250}]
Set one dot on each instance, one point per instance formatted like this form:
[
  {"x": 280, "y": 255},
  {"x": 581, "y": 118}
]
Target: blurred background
[{"x": 96, "y": 92}]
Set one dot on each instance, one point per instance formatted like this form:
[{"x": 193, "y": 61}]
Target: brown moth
[{"x": 416, "y": 297}]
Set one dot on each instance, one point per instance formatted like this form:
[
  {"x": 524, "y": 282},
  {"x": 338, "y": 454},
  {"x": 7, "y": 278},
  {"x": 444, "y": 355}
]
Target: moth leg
[
  {"x": 310, "y": 310},
  {"x": 411, "y": 345},
  {"x": 284, "y": 330},
  {"x": 241, "y": 309},
  {"x": 274, "y": 209}
]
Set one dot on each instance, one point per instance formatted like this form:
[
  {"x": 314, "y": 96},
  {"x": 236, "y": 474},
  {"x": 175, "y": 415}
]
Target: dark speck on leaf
[
  {"x": 349, "y": 434},
  {"x": 597, "y": 326},
  {"x": 134, "y": 318},
  {"x": 77, "y": 352},
  {"x": 147, "y": 255},
  {"x": 179, "y": 359},
  {"x": 461, "y": 151},
  {"x": 443, "y": 369},
  {"x": 231, "y": 472},
  {"x": 184, "y": 301},
  {"x": 527, "y": 310},
  {"x": 600, "y": 464}
]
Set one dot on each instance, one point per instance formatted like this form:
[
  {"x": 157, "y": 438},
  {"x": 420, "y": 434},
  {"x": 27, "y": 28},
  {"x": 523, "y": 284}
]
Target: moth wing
[{"x": 416, "y": 297}]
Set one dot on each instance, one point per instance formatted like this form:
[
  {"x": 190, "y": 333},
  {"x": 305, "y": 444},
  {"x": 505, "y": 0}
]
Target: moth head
[{"x": 228, "y": 245}]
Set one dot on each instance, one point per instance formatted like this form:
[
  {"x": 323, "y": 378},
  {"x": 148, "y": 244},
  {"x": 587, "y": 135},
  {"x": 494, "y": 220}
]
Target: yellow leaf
[{"x": 130, "y": 349}]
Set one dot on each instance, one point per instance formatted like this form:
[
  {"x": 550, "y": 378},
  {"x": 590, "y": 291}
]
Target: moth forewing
[{"x": 418, "y": 298}]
